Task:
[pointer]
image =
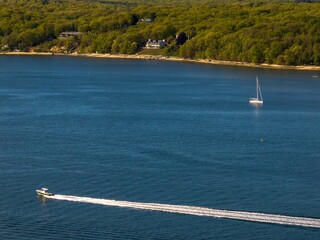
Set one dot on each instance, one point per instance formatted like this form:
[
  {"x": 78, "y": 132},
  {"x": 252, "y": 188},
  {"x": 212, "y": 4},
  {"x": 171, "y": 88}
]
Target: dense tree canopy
[{"x": 266, "y": 31}]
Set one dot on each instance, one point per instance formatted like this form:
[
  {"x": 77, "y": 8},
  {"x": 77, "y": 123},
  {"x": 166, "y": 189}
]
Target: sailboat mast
[
  {"x": 260, "y": 93},
  {"x": 257, "y": 86}
]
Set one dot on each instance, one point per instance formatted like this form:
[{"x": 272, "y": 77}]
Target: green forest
[{"x": 267, "y": 31}]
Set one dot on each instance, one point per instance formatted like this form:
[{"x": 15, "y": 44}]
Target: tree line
[{"x": 268, "y": 31}]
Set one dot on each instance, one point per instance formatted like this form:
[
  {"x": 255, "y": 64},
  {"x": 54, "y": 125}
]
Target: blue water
[{"x": 154, "y": 131}]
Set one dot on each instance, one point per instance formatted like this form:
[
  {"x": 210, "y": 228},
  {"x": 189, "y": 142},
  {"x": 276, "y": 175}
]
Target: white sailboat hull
[{"x": 255, "y": 101}]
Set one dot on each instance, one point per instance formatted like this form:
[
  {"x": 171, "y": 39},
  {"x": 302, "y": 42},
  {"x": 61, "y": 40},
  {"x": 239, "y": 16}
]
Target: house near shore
[
  {"x": 146, "y": 20},
  {"x": 69, "y": 34},
  {"x": 155, "y": 44},
  {"x": 5, "y": 47}
]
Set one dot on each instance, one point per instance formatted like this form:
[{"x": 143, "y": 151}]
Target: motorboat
[{"x": 44, "y": 192}]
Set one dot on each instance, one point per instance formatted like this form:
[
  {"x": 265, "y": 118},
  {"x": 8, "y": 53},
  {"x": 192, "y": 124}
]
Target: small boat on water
[
  {"x": 258, "y": 99},
  {"x": 44, "y": 192}
]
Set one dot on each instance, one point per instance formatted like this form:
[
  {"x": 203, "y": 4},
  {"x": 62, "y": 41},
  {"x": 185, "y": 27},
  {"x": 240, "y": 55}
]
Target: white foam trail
[{"x": 199, "y": 211}]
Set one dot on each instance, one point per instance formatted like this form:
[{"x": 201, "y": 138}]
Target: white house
[
  {"x": 69, "y": 34},
  {"x": 154, "y": 44},
  {"x": 146, "y": 20}
]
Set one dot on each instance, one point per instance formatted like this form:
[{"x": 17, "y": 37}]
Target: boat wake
[{"x": 199, "y": 211}]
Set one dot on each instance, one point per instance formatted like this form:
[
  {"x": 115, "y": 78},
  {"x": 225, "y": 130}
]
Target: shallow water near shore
[
  {"x": 155, "y": 132},
  {"x": 139, "y": 56}
]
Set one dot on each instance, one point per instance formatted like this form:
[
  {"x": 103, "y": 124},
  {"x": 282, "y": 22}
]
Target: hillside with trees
[{"x": 269, "y": 31}]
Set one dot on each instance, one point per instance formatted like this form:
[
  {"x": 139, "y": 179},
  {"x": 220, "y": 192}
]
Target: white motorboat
[{"x": 44, "y": 192}]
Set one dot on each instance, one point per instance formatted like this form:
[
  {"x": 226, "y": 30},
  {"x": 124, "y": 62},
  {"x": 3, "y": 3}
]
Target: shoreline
[{"x": 176, "y": 59}]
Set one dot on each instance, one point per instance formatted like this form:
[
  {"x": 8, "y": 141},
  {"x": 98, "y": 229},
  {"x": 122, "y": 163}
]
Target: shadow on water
[{"x": 43, "y": 200}]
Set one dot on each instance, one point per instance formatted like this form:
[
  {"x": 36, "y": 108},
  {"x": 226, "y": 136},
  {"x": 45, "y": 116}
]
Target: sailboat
[{"x": 258, "y": 99}]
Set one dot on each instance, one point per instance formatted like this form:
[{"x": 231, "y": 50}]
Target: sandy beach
[{"x": 158, "y": 57}]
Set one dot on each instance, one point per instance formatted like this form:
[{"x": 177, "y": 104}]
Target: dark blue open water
[{"x": 152, "y": 131}]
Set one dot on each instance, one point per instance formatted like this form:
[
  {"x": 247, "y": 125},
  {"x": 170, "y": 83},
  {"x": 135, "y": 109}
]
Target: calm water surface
[{"x": 152, "y": 131}]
